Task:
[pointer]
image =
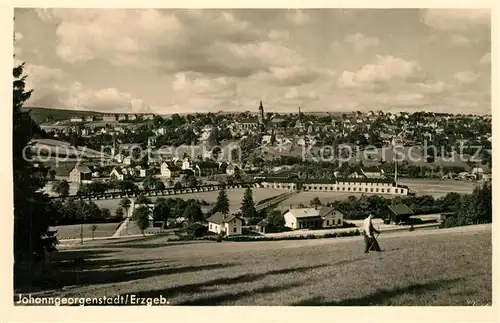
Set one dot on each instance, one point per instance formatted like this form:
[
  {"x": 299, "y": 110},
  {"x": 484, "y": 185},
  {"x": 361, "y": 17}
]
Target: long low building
[{"x": 346, "y": 185}]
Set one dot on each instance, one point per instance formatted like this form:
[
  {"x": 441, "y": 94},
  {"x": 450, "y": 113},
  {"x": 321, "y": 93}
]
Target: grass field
[
  {"x": 235, "y": 197},
  {"x": 435, "y": 267},
  {"x": 73, "y": 231},
  {"x": 438, "y": 188}
]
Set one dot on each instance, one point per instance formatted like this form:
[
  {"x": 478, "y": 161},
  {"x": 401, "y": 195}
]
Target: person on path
[{"x": 368, "y": 231}]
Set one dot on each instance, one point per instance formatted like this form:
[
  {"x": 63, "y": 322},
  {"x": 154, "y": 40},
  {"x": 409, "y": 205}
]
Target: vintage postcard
[{"x": 331, "y": 157}]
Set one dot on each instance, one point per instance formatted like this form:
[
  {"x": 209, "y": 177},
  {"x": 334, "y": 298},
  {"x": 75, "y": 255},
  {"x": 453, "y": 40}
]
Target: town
[
  {"x": 125, "y": 154},
  {"x": 285, "y": 157}
]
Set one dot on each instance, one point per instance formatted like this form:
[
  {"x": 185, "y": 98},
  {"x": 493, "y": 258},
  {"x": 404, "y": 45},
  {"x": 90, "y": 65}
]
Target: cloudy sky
[{"x": 167, "y": 61}]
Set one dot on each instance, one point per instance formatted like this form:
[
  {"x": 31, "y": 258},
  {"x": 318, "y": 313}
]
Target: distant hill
[{"x": 40, "y": 115}]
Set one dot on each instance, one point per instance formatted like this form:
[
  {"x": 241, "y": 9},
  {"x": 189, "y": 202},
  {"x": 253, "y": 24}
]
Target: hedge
[{"x": 302, "y": 237}]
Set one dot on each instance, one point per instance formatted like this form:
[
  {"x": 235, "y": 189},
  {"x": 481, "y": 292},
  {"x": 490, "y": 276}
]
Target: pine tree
[
  {"x": 222, "y": 204},
  {"x": 248, "y": 206},
  {"x": 31, "y": 208}
]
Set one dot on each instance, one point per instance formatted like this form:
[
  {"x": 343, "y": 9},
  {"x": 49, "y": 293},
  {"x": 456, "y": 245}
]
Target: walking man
[{"x": 368, "y": 231}]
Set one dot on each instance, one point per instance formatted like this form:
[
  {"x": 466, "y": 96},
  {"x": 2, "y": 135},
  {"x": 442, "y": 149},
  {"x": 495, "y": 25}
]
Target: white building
[
  {"x": 169, "y": 171},
  {"x": 225, "y": 224},
  {"x": 127, "y": 160},
  {"x": 80, "y": 174},
  {"x": 76, "y": 119},
  {"x": 303, "y": 218},
  {"x": 346, "y": 185},
  {"x": 186, "y": 164},
  {"x": 115, "y": 174}
]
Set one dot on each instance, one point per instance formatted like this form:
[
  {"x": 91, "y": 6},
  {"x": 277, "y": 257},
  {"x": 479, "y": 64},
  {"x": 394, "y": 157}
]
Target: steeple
[{"x": 261, "y": 116}]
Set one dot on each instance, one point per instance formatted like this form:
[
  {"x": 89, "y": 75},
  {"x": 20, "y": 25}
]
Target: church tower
[{"x": 261, "y": 117}]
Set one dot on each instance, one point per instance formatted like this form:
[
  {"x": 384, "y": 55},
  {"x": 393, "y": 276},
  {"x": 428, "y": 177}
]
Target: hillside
[{"x": 40, "y": 115}]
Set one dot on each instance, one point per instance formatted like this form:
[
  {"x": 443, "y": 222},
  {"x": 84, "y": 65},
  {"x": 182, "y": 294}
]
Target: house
[
  {"x": 398, "y": 213},
  {"x": 169, "y": 171},
  {"x": 122, "y": 117},
  {"x": 90, "y": 118},
  {"x": 266, "y": 139},
  {"x": 115, "y": 174},
  {"x": 109, "y": 118},
  {"x": 372, "y": 172},
  {"x": 301, "y": 218},
  {"x": 119, "y": 158},
  {"x": 232, "y": 169},
  {"x": 207, "y": 168},
  {"x": 132, "y": 117},
  {"x": 262, "y": 225},
  {"x": 127, "y": 160},
  {"x": 186, "y": 164},
  {"x": 143, "y": 172},
  {"x": 76, "y": 119},
  {"x": 331, "y": 217},
  {"x": 324, "y": 217},
  {"x": 225, "y": 225},
  {"x": 80, "y": 174}
]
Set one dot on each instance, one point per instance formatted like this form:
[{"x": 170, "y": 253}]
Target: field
[
  {"x": 435, "y": 267},
  {"x": 235, "y": 197},
  {"x": 438, "y": 188},
  {"x": 73, "y": 231}
]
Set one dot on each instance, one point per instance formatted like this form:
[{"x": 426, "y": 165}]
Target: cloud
[
  {"x": 295, "y": 94},
  {"x": 387, "y": 70},
  {"x": 298, "y": 17},
  {"x": 18, "y": 36},
  {"x": 361, "y": 42},
  {"x": 119, "y": 36},
  {"x": 110, "y": 99},
  {"x": 460, "y": 40},
  {"x": 55, "y": 88},
  {"x": 455, "y": 19},
  {"x": 434, "y": 88},
  {"x": 195, "y": 83},
  {"x": 486, "y": 59},
  {"x": 466, "y": 77},
  {"x": 279, "y": 35},
  {"x": 293, "y": 75},
  {"x": 213, "y": 42}
]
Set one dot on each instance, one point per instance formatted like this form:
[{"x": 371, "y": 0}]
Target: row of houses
[
  {"x": 302, "y": 218},
  {"x": 113, "y": 117}
]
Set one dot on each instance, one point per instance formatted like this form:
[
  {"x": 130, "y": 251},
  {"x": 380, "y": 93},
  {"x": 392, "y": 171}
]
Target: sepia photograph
[{"x": 252, "y": 157}]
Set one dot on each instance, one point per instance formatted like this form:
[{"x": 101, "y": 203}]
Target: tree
[
  {"x": 141, "y": 216},
  {"x": 125, "y": 204},
  {"x": 248, "y": 206},
  {"x": 315, "y": 202},
  {"x": 222, "y": 204},
  {"x": 93, "y": 228},
  {"x": 31, "y": 207},
  {"x": 276, "y": 221},
  {"x": 159, "y": 185},
  {"x": 193, "y": 212},
  {"x": 477, "y": 208},
  {"x": 52, "y": 175},
  {"x": 149, "y": 182},
  {"x": 162, "y": 211},
  {"x": 177, "y": 186},
  {"x": 119, "y": 212},
  {"x": 142, "y": 199},
  {"x": 61, "y": 188}
]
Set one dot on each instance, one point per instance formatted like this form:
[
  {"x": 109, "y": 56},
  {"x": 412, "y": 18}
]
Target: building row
[{"x": 380, "y": 186}]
